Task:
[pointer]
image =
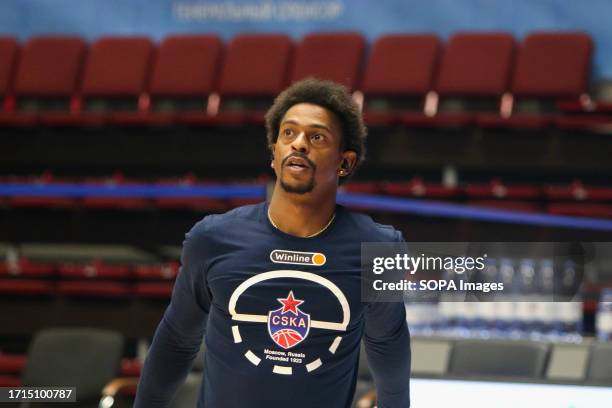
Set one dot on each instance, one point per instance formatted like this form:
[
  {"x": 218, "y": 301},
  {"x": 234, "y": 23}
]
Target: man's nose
[{"x": 300, "y": 143}]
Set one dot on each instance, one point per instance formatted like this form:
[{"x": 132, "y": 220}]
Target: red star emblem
[{"x": 290, "y": 303}]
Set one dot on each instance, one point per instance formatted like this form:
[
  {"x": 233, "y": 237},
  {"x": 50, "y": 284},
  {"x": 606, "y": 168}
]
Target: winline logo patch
[{"x": 298, "y": 258}]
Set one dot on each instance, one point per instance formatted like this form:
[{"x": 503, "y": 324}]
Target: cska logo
[{"x": 288, "y": 325}]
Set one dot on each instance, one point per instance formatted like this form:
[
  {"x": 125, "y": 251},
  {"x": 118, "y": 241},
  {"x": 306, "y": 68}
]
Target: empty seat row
[
  {"x": 408, "y": 78},
  {"x": 83, "y": 288},
  {"x": 86, "y": 270},
  {"x": 97, "y": 269},
  {"x": 574, "y": 199},
  {"x": 59, "y": 75},
  {"x": 494, "y": 189}
]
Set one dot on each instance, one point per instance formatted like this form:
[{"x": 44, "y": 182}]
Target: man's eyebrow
[{"x": 314, "y": 125}]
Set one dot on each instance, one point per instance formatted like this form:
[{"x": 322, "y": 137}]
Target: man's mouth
[{"x": 297, "y": 163}]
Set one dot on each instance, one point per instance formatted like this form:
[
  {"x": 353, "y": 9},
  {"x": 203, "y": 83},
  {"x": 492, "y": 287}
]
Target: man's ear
[
  {"x": 272, "y": 149},
  {"x": 347, "y": 165}
]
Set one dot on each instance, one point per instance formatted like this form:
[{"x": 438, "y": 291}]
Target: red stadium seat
[
  {"x": 96, "y": 278},
  {"x": 147, "y": 272},
  {"x": 11, "y": 369},
  {"x": 474, "y": 74},
  {"x": 46, "y": 78},
  {"x": 333, "y": 56},
  {"x": 26, "y": 287},
  {"x": 184, "y": 74},
  {"x": 577, "y": 191},
  {"x": 498, "y": 190},
  {"x": 553, "y": 65},
  {"x": 267, "y": 57},
  {"x": 495, "y": 194},
  {"x": 416, "y": 187},
  {"x": 117, "y": 68},
  {"x": 8, "y": 59},
  {"x": 399, "y": 74},
  {"x": 550, "y": 67},
  {"x": 12, "y": 363},
  {"x": 186, "y": 66},
  {"x": 49, "y": 68},
  {"x": 27, "y": 269},
  {"x": 130, "y": 367},
  {"x": 599, "y": 193},
  {"x": 114, "y": 80},
  {"x": 97, "y": 269},
  {"x": 246, "y": 93}
]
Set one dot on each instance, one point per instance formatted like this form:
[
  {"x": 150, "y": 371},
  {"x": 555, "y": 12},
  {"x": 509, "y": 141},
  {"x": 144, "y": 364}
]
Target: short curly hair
[{"x": 331, "y": 96}]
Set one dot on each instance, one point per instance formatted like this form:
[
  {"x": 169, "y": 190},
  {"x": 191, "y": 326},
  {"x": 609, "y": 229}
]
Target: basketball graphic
[
  {"x": 288, "y": 325},
  {"x": 287, "y": 338}
]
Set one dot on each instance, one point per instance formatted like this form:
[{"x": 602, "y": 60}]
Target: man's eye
[
  {"x": 317, "y": 137},
  {"x": 288, "y": 132}
]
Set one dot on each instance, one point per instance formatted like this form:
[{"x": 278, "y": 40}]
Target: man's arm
[
  {"x": 387, "y": 344},
  {"x": 179, "y": 334}
]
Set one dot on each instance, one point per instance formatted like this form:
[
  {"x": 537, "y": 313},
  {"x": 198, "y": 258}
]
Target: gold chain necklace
[{"x": 307, "y": 236}]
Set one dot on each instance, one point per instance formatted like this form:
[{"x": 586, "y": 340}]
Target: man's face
[{"x": 307, "y": 152}]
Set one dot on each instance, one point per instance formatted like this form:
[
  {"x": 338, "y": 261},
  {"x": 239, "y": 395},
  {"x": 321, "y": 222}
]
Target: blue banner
[{"x": 158, "y": 18}]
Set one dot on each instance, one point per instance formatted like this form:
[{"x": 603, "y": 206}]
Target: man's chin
[{"x": 298, "y": 188}]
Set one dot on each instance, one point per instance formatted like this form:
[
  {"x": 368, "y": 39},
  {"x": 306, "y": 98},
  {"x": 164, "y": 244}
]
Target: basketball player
[{"x": 276, "y": 286}]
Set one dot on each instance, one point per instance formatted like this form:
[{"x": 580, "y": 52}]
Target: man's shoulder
[
  {"x": 369, "y": 230},
  {"x": 234, "y": 217}
]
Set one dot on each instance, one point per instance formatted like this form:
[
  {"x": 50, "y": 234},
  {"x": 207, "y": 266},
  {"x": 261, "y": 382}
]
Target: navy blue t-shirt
[{"x": 283, "y": 317}]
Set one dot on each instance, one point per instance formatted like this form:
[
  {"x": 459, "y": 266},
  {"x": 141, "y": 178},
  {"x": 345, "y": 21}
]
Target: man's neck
[{"x": 301, "y": 215}]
